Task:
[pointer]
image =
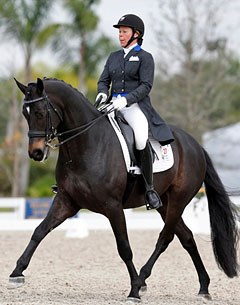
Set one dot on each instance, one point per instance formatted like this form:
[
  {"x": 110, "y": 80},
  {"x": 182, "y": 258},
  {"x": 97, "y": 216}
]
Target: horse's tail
[{"x": 223, "y": 214}]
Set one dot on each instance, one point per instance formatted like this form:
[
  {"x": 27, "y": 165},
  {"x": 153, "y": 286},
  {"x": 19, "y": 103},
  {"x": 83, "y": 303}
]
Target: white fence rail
[
  {"x": 16, "y": 205},
  {"x": 196, "y": 216}
]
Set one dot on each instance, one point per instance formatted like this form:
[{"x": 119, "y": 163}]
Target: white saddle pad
[{"x": 162, "y": 162}]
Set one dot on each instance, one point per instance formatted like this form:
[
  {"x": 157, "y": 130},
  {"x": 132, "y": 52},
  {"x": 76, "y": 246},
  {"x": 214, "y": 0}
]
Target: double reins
[{"x": 50, "y": 133}]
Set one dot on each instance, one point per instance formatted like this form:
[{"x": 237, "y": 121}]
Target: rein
[
  {"x": 53, "y": 134},
  {"x": 81, "y": 129}
]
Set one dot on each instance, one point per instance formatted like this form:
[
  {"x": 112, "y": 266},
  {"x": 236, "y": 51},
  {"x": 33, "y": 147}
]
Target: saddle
[
  {"x": 162, "y": 155},
  {"x": 128, "y": 135}
]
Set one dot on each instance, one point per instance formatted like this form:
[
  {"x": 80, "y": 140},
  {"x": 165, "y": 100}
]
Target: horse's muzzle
[{"x": 37, "y": 149}]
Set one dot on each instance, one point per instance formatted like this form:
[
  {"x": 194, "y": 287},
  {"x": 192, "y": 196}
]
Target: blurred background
[{"x": 195, "y": 44}]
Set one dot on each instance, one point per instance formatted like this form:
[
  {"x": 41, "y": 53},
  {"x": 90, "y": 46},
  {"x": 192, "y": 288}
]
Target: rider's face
[{"x": 125, "y": 33}]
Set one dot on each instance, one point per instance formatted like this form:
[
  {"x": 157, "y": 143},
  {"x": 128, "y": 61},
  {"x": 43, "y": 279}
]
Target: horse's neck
[
  {"x": 75, "y": 108},
  {"x": 76, "y": 112},
  {"x": 92, "y": 142},
  {"x": 83, "y": 119}
]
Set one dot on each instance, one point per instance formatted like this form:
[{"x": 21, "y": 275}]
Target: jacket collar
[
  {"x": 134, "y": 51},
  {"x": 127, "y": 50},
  {"x": 123, "y": 59}
]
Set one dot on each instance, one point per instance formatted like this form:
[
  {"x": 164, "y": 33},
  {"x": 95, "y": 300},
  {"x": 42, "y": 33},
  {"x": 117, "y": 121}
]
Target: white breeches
[{"x": 137, "y": 120}]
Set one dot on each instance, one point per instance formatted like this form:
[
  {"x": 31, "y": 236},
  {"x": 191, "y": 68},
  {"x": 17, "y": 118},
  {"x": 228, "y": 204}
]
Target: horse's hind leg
[
  {"x": 171, "y": 218},
  {"x": 186, "y": 238},
  {"x": 56, "y": 215}
]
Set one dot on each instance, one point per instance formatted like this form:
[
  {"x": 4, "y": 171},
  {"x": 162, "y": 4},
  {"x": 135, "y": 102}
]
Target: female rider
[{"x": 129, "y": 73}]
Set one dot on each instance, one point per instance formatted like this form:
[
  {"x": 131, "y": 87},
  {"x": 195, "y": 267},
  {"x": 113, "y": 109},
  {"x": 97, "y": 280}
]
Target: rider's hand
[
  {"x": 102, "y": 96},
  {"x": 119, "y": 103}
]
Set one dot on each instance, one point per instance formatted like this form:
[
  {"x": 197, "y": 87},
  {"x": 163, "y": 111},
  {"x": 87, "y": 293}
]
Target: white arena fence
[{"x": 23, "y": 214}]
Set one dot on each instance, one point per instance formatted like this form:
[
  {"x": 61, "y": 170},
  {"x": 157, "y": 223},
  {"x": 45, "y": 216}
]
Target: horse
[{"x": 91, "y": 174}]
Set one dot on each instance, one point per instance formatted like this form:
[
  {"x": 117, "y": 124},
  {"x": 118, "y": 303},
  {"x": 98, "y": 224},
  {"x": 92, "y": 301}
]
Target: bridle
[{"x": 50, "y": 132}]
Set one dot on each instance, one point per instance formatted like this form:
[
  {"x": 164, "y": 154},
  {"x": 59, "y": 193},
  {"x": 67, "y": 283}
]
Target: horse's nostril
[
  {"x": 37, "y": 149},
  {"x": 37, "y": 154}
]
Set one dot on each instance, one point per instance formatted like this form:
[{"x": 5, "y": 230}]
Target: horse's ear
[
  {"x": 40, "y": 86},
  {"x": 22, "y": 87}
]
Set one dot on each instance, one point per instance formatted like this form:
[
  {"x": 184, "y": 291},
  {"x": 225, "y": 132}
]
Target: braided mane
[
  {"x": 68, "y": 85},
  {"x": 60, "y": 80}
]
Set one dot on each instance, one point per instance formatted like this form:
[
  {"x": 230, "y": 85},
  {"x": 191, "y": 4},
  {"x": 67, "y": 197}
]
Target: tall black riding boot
[{"x": 153, "y": 201}]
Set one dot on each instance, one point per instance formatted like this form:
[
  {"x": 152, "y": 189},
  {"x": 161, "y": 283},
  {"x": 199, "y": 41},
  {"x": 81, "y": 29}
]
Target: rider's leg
[
  {"x": 137, "y": 120},
  {"x": 153, "y": 201}
]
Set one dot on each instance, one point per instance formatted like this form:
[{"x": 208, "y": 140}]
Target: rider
[{"x": 130, "y": 73}]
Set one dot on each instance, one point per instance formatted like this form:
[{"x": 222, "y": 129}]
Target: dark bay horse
[{"x": 91, "y": 174}]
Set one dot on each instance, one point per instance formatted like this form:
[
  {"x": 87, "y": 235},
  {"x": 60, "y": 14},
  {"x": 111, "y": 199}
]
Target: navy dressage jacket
[{"x": 132, "y": 77}]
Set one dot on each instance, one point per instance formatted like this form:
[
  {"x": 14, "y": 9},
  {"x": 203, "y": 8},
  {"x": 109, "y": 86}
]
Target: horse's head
[{"x": 41, "y": 117}]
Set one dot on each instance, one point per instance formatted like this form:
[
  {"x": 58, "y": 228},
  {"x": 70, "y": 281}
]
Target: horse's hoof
[
  {"x": 16, "y": 282},
  {"x": 205, "y": 296},
  {"x": 131, "y": 300}
]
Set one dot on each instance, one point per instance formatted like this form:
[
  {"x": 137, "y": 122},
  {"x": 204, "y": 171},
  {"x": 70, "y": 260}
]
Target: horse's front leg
[
  {"x": 118, "y": 222},
  {"x": 59, "y": 211}
]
